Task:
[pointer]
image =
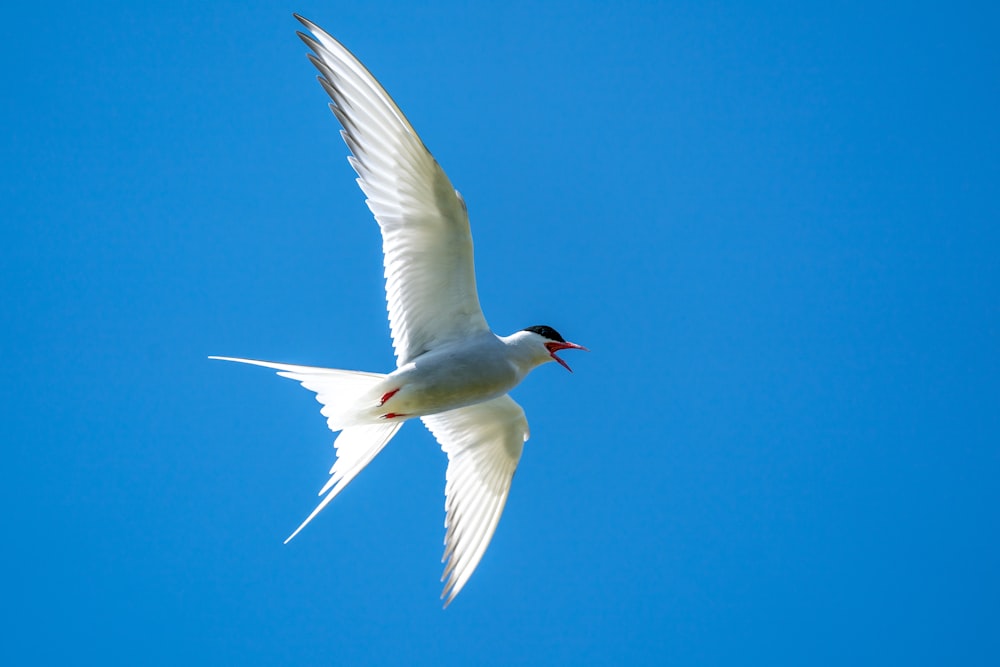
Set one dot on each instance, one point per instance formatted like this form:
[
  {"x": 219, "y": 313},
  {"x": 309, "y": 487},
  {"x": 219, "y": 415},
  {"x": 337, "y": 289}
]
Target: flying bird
[{"x": 452, "y": 371}]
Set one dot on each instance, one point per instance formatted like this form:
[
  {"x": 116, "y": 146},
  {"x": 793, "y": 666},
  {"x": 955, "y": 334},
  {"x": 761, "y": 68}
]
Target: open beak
[{"x": 554, "y": 347}]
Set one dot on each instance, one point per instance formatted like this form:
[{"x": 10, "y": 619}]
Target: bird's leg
[{"x": 386, "y": 396}]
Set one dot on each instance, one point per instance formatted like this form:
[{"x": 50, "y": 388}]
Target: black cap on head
[{"x": 546, "y": 332}]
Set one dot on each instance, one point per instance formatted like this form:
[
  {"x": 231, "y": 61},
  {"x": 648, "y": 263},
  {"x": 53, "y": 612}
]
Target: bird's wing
[
  {"x": 483, "y": 443},
  {"x": 430, "y": 277}
]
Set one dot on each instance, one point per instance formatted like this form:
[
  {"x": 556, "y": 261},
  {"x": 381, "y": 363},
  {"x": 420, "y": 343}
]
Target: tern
[{"x": 452, "y": 371}]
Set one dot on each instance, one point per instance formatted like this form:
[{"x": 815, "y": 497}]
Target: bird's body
[
  {"x": 452, "y": 371},
  {"x": 452, "y": 376}
]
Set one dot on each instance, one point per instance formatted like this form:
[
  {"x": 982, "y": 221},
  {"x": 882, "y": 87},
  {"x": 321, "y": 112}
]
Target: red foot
[
  {"x": 393, "y": 415},
  {"x": 387, "y": 395}
]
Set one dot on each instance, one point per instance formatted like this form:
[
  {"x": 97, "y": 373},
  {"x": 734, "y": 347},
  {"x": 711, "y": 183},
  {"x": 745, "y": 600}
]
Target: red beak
[{"x": 553, "y": 347}]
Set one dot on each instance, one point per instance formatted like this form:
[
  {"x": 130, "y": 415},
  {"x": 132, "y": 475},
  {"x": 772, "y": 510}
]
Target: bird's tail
[{"x": 340, "y": 392}]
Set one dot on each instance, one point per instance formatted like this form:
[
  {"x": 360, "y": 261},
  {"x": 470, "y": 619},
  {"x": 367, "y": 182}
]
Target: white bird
[{"x": 452, "y": 371}]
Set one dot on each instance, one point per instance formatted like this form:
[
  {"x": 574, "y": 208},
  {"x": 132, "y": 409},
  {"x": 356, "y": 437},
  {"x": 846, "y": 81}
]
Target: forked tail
[
  {"x": 356, "y": 447},
  {"x": 339, "y": 392}
]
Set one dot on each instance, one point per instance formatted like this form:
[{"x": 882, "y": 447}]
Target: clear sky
[{"x": 776, "y": 228}]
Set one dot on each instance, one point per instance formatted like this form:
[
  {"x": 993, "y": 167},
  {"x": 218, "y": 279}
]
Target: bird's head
[{"x": 550, "y": 340}]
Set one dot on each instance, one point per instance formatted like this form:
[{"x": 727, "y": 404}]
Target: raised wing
[
  {"x": 430, "y": 277},
  {"x": 483, "y": 443}
]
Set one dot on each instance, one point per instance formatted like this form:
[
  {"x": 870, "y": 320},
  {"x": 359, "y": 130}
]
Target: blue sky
[{"x": 776, "y": 228}]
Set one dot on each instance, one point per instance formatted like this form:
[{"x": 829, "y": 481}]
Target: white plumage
[{"x": 452, "y": 371}]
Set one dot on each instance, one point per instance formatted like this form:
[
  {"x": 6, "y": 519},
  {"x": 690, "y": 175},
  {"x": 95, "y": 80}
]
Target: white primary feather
[
  {"x": 483, "y": 443},
  {"x": 430, "y": 275}
]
